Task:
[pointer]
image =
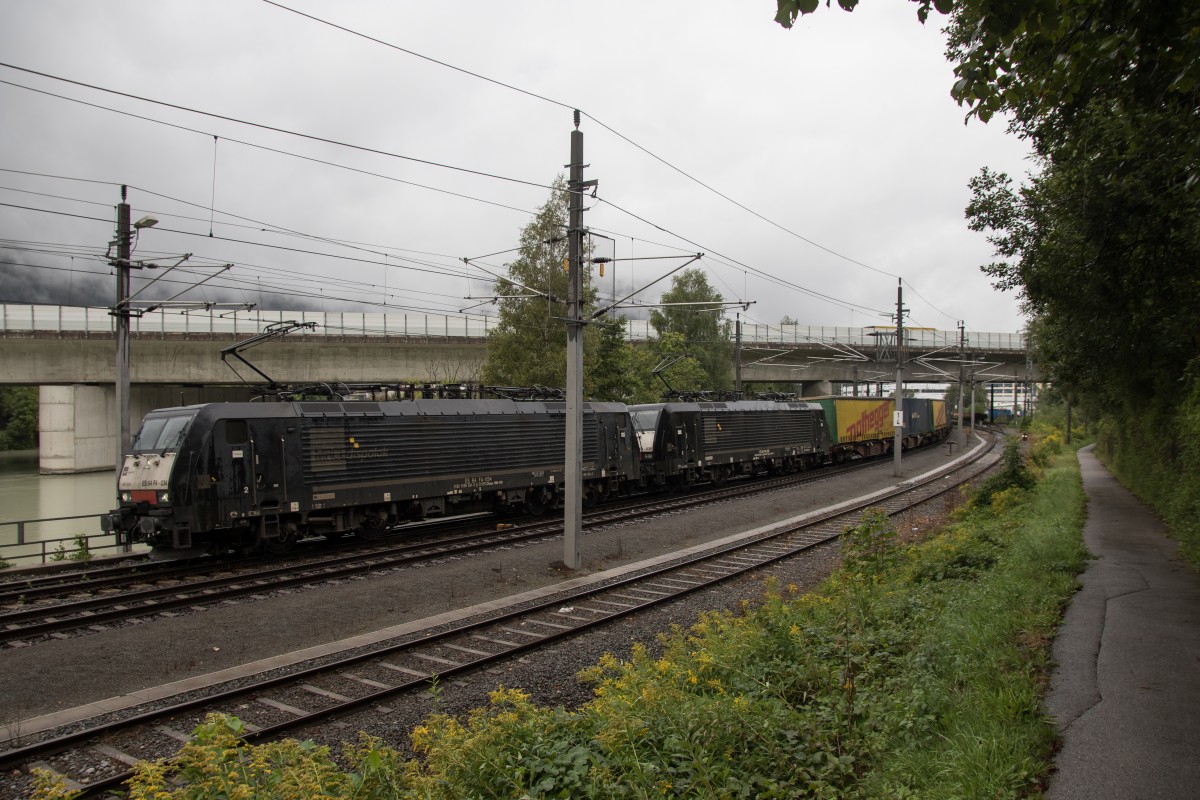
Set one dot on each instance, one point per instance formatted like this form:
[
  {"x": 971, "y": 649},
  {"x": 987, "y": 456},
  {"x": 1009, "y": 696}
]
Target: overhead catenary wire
[
  {"x": 761, "y": 273},
  {"x": 275, "y": 129},
  {"x": 619, "y": 135},
  {"x": 603, "y": 125},
  {"x": 511, "y": 87},
  {"x": 758, "y": 272}
]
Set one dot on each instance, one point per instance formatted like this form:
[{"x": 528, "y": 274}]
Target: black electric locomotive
[
  {"x": 249, "y": 475},
  {"x": 684, "y": 443}
]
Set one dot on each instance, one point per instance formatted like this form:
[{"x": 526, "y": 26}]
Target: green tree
[
  {"x": 529, "y": 343},
  {"x": 18, "y": 417},
  {"x": 679, "y": 368},
  {"x": 1102, "y": 239},
  {"x": 698, "y": 319},
  {"x": 611, "y": 374}
]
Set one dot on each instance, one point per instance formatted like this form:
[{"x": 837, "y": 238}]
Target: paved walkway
[{"x": 1126, "y": 691}]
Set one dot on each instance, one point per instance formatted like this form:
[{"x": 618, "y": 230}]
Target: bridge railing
[
  {"x": 859, "y": 338},
  {"x": 79, "y": 319},
  {"x": 87, "y": 320}
]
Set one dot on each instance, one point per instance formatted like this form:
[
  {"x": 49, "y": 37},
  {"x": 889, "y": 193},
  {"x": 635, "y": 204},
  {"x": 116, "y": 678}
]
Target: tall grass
[{"x": 987, "y": 653}]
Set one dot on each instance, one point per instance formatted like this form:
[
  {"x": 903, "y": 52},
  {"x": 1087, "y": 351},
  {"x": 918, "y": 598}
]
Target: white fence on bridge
[{"x": 71, "y": 320}]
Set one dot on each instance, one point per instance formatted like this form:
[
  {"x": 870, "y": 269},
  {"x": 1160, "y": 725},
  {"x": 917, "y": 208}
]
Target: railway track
[
  {"x": 87, "y": 602},
  {"x": 286, "y": 700}
]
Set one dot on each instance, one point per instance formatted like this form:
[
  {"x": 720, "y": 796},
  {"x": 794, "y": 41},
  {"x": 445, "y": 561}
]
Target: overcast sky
[{"x": 838, "y": 141}]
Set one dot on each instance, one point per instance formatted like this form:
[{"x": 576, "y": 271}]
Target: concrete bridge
[{"x": 175, "y": 359}]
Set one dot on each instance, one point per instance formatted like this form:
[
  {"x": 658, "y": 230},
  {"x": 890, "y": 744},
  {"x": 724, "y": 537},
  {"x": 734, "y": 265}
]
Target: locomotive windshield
[
  {"x": 645, "y": 420},
  {"x": 159, "y": 434}
]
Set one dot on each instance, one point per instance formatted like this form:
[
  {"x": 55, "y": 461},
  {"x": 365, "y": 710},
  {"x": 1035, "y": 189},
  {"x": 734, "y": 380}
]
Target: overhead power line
[
  {"x": 263, "y": 147},
  {"x": 599, "y": 122},
  {"x": 757, "y": 271},
  {"x": 272, "y": 128}
]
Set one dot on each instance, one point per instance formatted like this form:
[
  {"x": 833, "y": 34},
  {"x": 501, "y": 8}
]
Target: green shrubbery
[
  {"x": 1014, "y": 474},
  {"x": 915, "y": 671},
  {"x": 1156, "y": 453},
  {"x": 18, "y": 417}
]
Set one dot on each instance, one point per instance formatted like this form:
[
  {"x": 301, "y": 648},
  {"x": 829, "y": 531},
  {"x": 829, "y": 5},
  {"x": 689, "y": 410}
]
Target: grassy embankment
[
  {"x": 1156, "y": 453},
  {"x": 915, "y": 671}
]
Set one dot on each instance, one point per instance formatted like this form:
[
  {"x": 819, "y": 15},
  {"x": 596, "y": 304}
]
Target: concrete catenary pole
[
  {"x": 962, "y": 368},
  {"x": 898, "y": 421},
  {"x": 573, "y": 498},
  {"x": 973, "y": 409},
  {"x": 121, "y": 318},
  {"x": 737, "y": 355}
]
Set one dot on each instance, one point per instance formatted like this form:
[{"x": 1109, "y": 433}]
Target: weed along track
[
  {"x": 78, "y": 603},
  {"x": 368, "y": 676}
]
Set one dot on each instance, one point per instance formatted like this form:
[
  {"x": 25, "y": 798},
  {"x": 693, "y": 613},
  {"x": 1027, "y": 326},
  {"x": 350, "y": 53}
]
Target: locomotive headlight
[
  {"x": 126, "y": 497},
  {"x": 164, "y": 497}
]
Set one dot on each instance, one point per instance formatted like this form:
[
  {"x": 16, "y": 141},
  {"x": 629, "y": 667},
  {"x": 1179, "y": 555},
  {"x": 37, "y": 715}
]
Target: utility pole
[
  {"x": 973, "y": 408},
  {"x": 120, "y": 314},
  {"x": 737, "y": 355},
  {"x": 573, "y": 469},
  {"x": 898, "y": 421},
  {"x": 962, "y": 368}
]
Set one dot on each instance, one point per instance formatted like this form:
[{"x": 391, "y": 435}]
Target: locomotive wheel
[
  {"x": 371, "y": 528},
  {"x": 281, "y": 543},
  {"x": 718, "y": 476},
  {"x": 534, "y": 506}
]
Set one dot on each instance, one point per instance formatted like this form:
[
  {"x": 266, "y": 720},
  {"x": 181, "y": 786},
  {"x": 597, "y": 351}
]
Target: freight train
[{"x": 249, "y": 476}]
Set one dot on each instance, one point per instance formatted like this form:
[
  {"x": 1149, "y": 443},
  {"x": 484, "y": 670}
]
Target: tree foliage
[
  {"x": 528, "y": 346},
  {"x": 1101, "y": 242},
  {"x": 18, "y": 417},
  {"x": 701, "y": 325}
]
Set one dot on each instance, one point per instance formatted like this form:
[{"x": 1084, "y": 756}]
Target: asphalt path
[{"x": 1126, "y": 688}]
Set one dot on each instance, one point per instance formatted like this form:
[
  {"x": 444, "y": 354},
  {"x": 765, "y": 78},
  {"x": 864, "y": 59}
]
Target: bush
[
  {"x": 1154, "y": 449},
  {"x": 1013, "y": 474}
]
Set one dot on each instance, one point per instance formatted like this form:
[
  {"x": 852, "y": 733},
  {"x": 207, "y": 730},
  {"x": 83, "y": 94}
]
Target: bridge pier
[
  {"x": 817, "y": 389},
  {"x": 77, "y": 422},
  {"x": 76, "y": 428}
]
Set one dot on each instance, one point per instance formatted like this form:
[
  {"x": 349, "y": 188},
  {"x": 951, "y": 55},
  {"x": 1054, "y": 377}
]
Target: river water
[{"x": 25, "y": 494}]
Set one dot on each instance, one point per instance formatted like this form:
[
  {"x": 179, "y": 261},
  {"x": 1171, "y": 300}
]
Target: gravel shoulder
[{"x": 50, "y": 676}]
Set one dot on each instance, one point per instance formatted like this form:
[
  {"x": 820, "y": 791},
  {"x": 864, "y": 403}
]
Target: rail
[{"x": 73, "y": 321}]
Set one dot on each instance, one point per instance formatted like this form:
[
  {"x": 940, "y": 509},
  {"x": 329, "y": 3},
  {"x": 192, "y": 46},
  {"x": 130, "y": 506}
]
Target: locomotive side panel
[
  {"x": 713, "y": 441},
  {"x": 442, "y": 453},
  {"x": 736, "y": 434}
]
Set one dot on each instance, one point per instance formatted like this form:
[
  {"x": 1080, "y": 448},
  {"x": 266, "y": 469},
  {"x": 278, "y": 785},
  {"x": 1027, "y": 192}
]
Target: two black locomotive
[{"x": 261, "y": 475}]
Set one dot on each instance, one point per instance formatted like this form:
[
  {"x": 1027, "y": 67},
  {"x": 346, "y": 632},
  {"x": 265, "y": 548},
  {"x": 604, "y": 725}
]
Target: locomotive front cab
[
  {"x": 151, "y": 481},
  {"x": 645, "y": 422},
  {"x": 667, "y": 441}
]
